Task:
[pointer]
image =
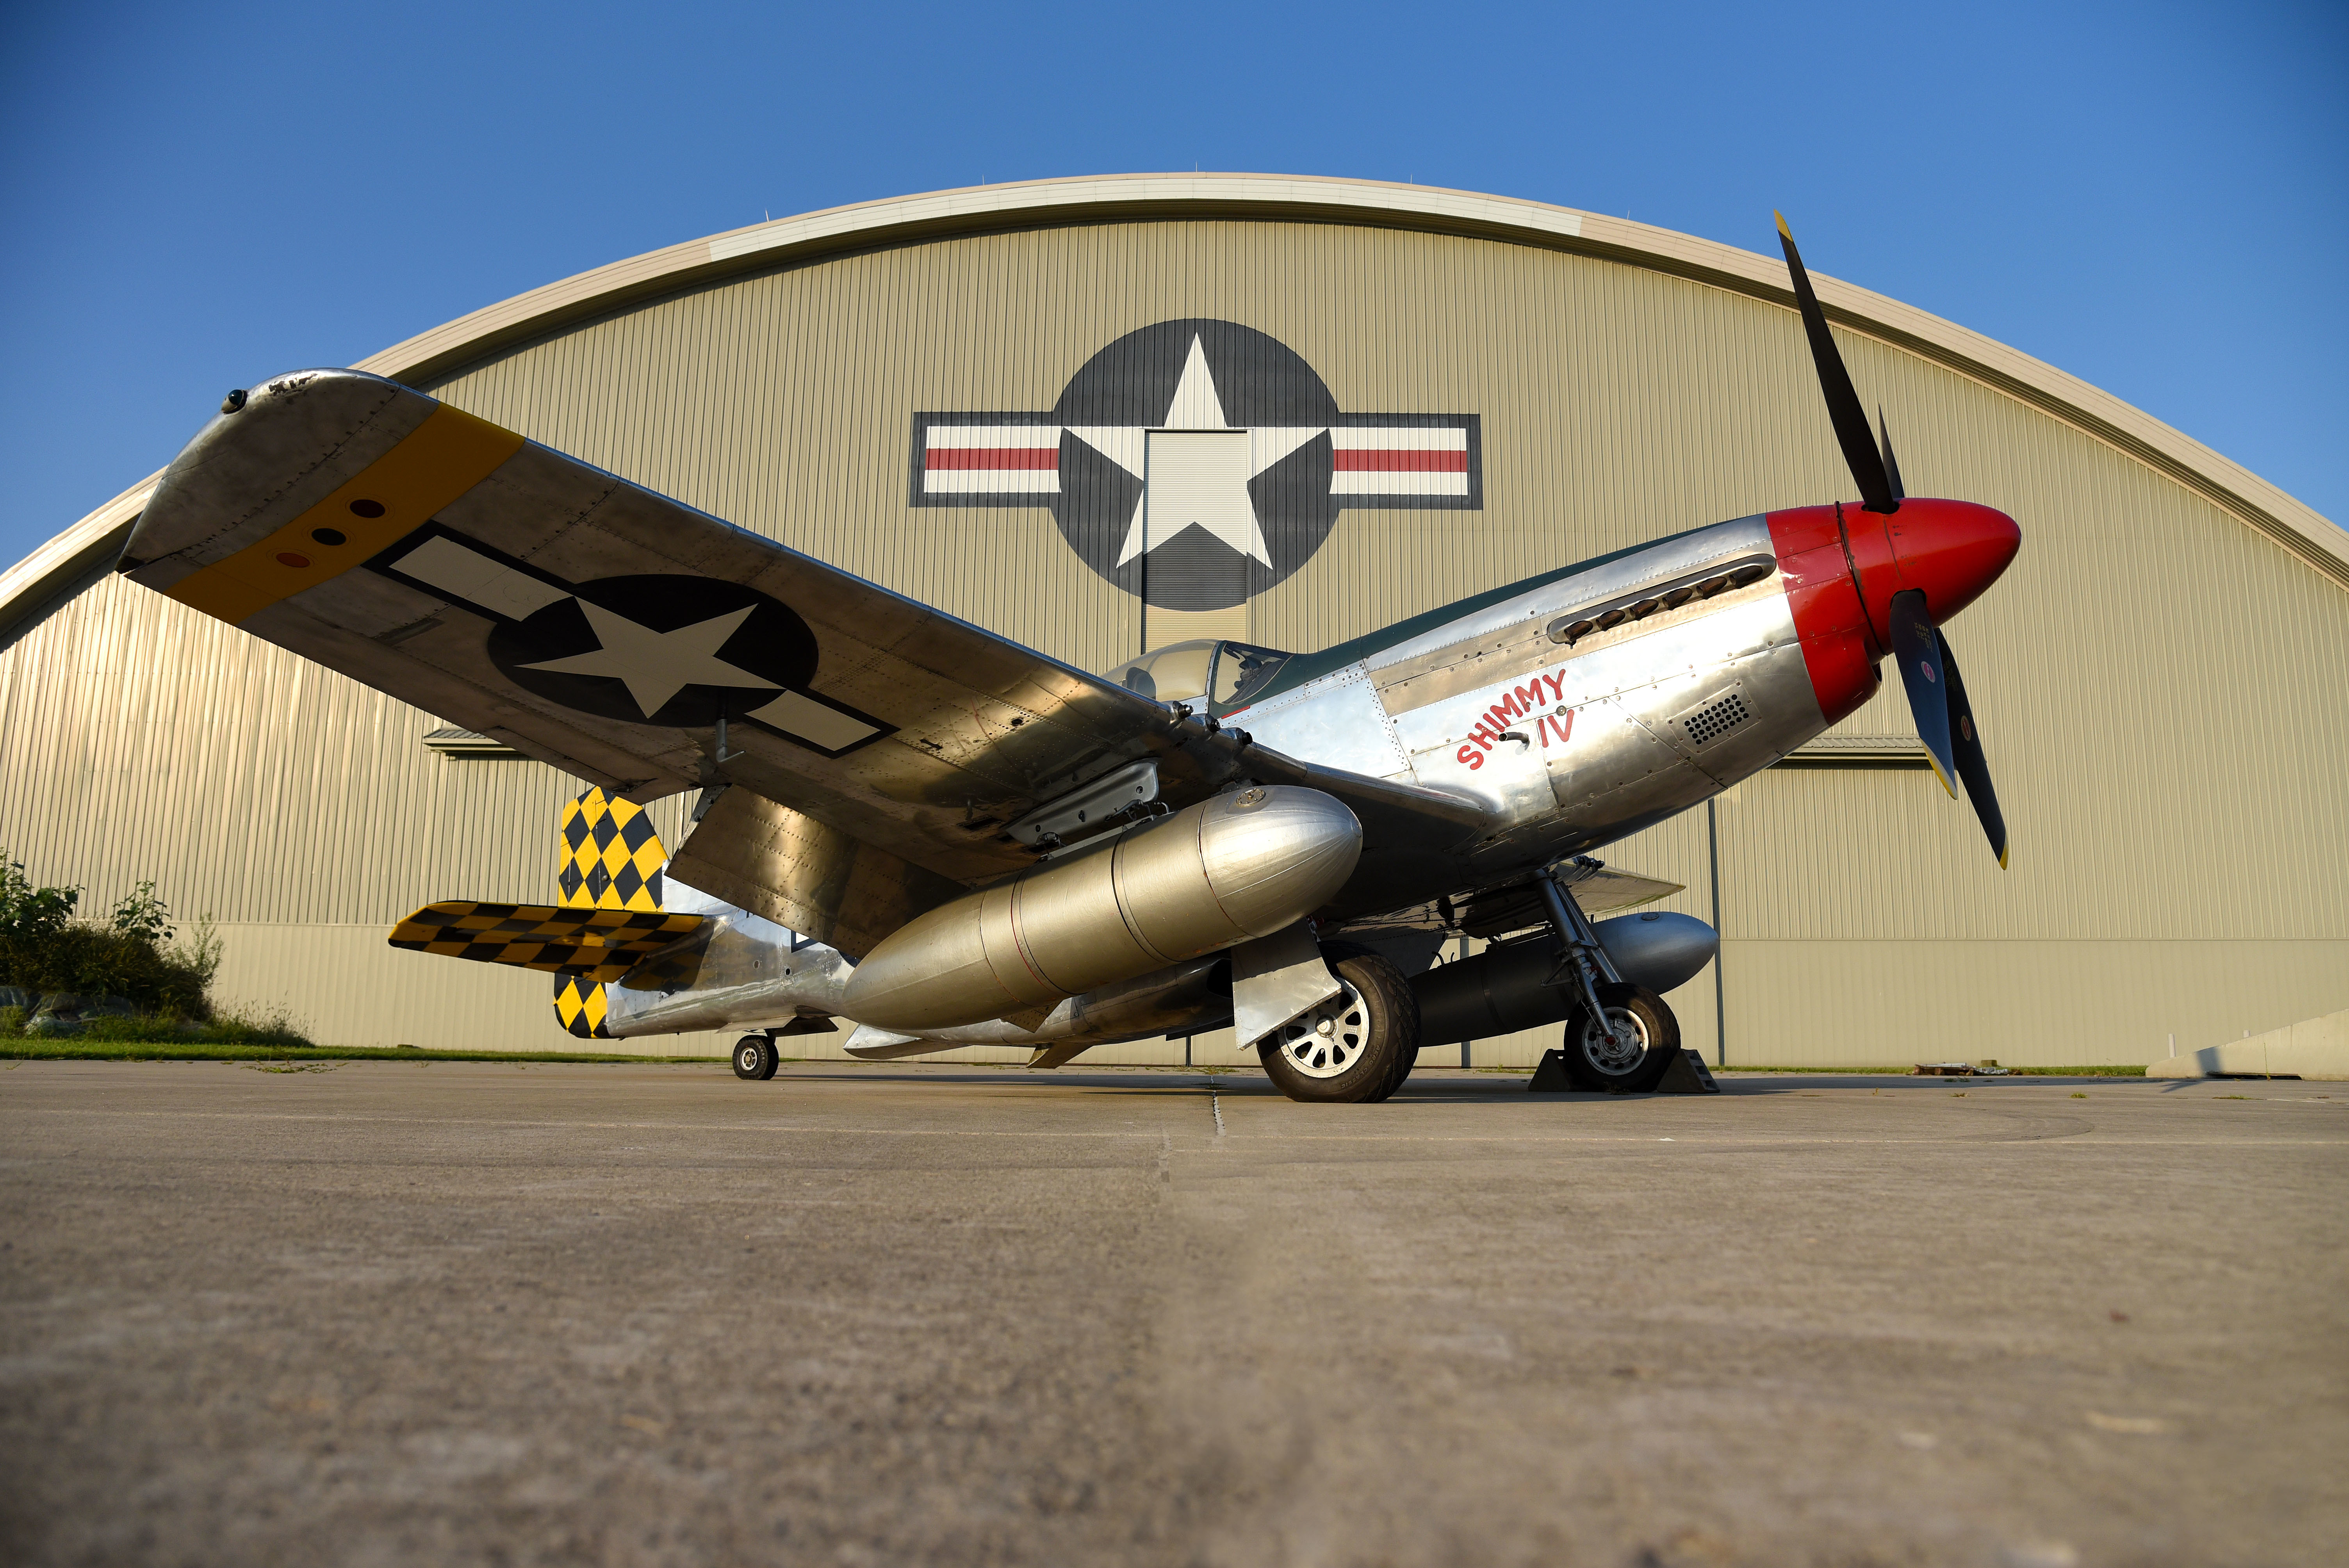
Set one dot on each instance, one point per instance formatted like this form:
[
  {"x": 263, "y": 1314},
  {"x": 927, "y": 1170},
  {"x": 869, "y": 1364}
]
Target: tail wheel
[
  {"x": 1354, "y": 1049},
  {"x": 755, "y": 1057},
  {"x": 1626, "y": 1051}
]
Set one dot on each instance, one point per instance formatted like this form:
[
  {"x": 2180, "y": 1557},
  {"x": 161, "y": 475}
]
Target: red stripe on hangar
[
  {"x": 1363, "y": 462},
  {"x": 1374, "y": 462},
  {"x": 991, "y": 459}
]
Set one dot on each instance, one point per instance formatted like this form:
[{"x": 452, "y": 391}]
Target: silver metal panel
[
  {"x": 1274, "y": 979},
  {"x": 1336, "y": 722},
  {"x": 1514, "y": 620},
  {"x": 1085, "y": 808}
]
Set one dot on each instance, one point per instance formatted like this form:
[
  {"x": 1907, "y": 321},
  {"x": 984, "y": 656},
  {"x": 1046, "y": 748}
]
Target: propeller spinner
[{"x": 1943, "y": 554}]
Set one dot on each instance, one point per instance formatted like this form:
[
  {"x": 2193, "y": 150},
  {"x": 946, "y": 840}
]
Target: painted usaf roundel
[
  {"x": 1197, "y": 462},
  {"x": 665, "y": 648}
]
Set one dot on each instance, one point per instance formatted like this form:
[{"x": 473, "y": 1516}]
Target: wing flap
[{"x": 598, "y": 944}]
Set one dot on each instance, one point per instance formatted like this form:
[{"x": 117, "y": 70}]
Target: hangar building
[{"x": 957, "y": 395}]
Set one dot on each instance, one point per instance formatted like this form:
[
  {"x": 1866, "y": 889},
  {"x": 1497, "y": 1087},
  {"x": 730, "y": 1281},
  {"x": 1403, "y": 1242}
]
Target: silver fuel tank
[{"x": 1242, "y": 865}]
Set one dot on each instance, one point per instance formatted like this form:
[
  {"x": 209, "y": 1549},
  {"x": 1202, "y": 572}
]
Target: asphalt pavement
[{"x": 384, "y": 1313}]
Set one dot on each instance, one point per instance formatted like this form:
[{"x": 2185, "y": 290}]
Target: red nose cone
[{"x": 1951, "y": 549}]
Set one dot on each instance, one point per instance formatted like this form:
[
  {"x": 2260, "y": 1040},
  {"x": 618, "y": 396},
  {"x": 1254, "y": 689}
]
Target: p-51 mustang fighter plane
[{"x": 911, "y": 823}]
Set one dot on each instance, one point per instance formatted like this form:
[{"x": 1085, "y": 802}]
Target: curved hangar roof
[{"x": 51, "y": 573}]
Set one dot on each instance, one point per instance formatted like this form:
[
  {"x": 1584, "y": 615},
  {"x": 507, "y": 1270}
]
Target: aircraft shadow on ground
[{"x": 1420, "y": 1089}]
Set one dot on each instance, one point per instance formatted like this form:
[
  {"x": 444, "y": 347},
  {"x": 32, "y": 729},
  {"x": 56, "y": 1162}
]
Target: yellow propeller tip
[
  {"x": 1782, "y": 222},
  {"x": 2001, "y": 859}
]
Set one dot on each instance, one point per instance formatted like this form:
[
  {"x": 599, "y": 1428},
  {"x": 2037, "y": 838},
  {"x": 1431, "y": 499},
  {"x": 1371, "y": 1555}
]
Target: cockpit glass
[
  {"x": 1242, "y": 671},
  {"x": 1227, "y": 674},
  {"x": 1176, "y": 673}
]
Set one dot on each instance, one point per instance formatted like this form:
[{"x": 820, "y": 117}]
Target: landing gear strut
[
  {"x": 755, "y": 1057},
  {"x": 1623, "y": 1038}
]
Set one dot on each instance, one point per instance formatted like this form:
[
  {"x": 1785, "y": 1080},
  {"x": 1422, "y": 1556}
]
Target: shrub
[{"x": 43, "y": 948}]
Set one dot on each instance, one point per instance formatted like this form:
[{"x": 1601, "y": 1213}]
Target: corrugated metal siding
[
  {"x": 145, "y": 740},
  {"x": 2159, "y": 681}
]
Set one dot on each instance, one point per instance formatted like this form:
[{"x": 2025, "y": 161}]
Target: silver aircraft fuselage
[{"x": 1574, "y": 709}]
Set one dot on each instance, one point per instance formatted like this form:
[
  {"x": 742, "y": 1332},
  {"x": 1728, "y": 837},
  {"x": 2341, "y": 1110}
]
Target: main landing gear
[
  {"x": 755, "y": 1057},
  {"x": 1356, "y": 1048},
  {"x": 1622, "y": 1038}
]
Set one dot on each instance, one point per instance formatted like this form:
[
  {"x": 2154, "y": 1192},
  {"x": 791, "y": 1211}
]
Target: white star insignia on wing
[
  {"x": 656, "y": 665},
  {"x": 1223, "y": 510}
]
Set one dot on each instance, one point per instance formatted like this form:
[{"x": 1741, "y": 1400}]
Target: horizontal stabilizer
[{"x": 600, "y": 944}]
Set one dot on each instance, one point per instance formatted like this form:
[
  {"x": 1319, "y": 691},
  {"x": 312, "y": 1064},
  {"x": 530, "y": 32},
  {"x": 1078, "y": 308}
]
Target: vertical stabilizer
[{"x": 609, "y": 858}]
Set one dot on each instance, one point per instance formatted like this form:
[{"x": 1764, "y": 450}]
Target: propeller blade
[
  {"x": 1965, "y": 738},
  {"x": 1891, "y": 463},
  {"x": 1916, "y": 649},
  {"x": 1859, "y": 453}
]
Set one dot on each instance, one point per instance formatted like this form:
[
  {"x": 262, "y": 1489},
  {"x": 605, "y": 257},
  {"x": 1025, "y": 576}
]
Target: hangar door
[{"x": 1196, "y": 480}]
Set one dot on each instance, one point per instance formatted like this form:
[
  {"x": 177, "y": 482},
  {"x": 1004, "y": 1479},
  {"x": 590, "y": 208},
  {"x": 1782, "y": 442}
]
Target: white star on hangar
[{"x": 1209, "y": 494}]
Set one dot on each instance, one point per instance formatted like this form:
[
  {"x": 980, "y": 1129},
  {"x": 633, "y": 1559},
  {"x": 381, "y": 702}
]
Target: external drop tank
[{"x": 1240, "y": 866}]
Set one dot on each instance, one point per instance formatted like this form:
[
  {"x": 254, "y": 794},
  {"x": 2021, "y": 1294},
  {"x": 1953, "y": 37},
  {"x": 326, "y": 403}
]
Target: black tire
[
  {"x": 1376, "y": 1021},
  {"x": 1591, "y": 1065},
  {"x": 1404, "y": 1060},
  {"x": 755, "y": 1057}
]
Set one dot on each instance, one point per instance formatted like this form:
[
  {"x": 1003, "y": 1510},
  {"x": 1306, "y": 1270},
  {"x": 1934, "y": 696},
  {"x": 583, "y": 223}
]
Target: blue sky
[{"x": 2154, "y": 197}]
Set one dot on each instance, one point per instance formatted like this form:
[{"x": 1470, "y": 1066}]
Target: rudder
[{"x": 608, "y": 857}]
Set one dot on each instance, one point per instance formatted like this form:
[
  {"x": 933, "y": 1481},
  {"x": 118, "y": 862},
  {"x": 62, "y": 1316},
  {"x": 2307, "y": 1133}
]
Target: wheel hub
[
  {"x": 1331, "y": 1038},
  {"x": 1618, "y": 1046}
]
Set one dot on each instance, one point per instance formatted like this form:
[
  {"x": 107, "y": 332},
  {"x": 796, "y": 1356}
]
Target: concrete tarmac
[{"x": 384, "y": 1313}]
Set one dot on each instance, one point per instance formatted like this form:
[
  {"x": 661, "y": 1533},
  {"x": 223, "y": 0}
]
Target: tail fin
[{"x": 610, "y": 858}]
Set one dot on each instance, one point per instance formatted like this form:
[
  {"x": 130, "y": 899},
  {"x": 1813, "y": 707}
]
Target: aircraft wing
[{"x": 613, "y": 633}]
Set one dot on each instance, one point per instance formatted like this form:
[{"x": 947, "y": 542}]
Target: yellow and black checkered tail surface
[
  {"x": 598, "y": 944},
  {"x": 609, "y": 871},
  {"x": 579, "y": 1003},
  {"x": 609, "y": 858}
]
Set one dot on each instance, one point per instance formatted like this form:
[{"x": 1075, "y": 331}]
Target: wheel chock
[
  {"x": 1549, "y": 1077},
  {"x": 1687, "y": 1075}
]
